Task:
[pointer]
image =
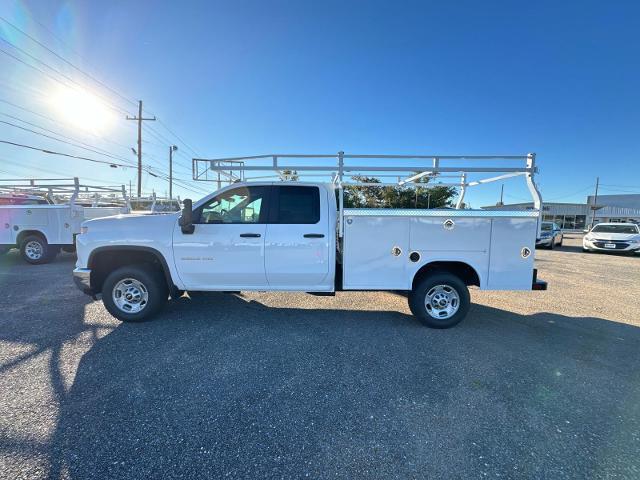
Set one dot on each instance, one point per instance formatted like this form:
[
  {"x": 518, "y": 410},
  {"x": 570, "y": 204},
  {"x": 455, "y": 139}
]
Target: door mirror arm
[{"x": 186, "y": 220}]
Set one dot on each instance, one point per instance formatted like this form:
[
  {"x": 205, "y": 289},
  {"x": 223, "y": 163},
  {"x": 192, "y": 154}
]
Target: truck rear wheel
[
  {"x": 440, "y": 300},
  {"x": 35, "y": 250},
  {"x": 134, "y": 293}
]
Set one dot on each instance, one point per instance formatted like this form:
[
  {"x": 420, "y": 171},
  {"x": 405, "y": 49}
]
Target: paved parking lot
[{"x": 531, "y": 384}]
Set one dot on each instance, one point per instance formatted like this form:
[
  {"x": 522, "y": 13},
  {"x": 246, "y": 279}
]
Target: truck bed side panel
[{"x": 465, "y": 239}]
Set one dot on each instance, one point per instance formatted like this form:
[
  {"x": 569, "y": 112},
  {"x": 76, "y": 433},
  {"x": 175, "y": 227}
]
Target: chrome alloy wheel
[
  {"x": 34, "y": 250},
  {"x": 130, "y": 295},
  {"x": 442, "y": 302}
]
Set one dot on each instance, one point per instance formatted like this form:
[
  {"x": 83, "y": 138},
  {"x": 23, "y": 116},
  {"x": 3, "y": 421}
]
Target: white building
[
  {"x": 578, "y": 216},
  {"x": 614, "y": 208}
]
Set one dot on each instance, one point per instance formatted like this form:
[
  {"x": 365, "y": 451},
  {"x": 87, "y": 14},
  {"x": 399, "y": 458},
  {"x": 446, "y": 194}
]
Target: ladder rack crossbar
[{"x": 372, "y": 168}]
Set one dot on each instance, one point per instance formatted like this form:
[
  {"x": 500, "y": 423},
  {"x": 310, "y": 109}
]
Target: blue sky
[{"x": 243, "y": 78}]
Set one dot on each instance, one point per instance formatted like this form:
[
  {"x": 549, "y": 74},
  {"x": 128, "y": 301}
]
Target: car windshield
[
  {"x": 615, "y": 229},
  {"x": 547, "y": 227}
]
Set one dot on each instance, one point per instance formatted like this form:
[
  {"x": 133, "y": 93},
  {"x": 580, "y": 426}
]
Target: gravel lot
[{"x": 531, "y": 384}]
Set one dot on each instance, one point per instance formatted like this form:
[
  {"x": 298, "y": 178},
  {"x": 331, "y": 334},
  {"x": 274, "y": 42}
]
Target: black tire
[
  {"x": 31, "y": 245},
  {"x": 151, "y": 279},
  {"x": 418, "y": 295}
]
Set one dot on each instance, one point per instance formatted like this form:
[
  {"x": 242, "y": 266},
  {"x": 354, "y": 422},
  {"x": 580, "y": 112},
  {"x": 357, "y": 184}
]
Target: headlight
[{"x": 84, "y": 229}]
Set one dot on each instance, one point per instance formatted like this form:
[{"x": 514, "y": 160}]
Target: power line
[
  {"x": 88, "y": 75},
  {"x": 153, "y": 132},
  {"x": 57, "y": 123},
  {"x": 22, "y": 51},
  {"x": 180, "y": 139},
  {"x": 52, "y": 152},
  {"x": 78, "y": 157},
  {"x": 68, "y": 62},
  {"x": 116, "y": 157},
  {"x": 82, "y": 145},
  {"x": 571, "y": 194}
]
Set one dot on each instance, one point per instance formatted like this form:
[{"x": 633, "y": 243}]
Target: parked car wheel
[
  {"x": 134, "y": 293},
  {"x": 441, "y": 300},
  {"x": 35, "y": 250}
]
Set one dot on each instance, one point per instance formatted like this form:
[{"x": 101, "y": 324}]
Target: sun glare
[{"x": 81, "y": 109}]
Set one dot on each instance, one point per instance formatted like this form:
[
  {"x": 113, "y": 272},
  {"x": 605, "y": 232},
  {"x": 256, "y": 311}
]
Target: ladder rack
[
  {"x": 347, "y": 170},
  {"x": 69, "y": 189}
]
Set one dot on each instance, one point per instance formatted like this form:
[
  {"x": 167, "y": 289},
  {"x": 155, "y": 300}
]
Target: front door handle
[
  {"x": 313, "y": 235},
  {"x": 250, "y": 235}
]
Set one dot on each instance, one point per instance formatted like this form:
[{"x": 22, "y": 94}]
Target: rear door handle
[
  {"x": 313, "y": 235},
  {"x": 250, "y": 235}
]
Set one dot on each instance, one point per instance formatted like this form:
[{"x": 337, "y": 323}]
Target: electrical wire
[
  {"x": 113, "y": 106},
  {"x": 180, "y": 181},
  {"x": 68, "y": 62}
]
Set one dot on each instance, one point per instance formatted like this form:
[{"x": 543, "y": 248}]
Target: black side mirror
[{"x": 186, "y": 220}]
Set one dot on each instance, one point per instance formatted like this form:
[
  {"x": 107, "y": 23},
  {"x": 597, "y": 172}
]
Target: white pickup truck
[
  {"x": 294, "y": 236},
  {"x": 31, "y": 221}
]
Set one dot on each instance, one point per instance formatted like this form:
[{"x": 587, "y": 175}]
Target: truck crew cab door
[
  {"x": 226, "y": 249},
  {"x": 298, "y": 239}
]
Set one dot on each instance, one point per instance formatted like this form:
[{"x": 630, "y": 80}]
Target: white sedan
[{"x": 612, "y": 237}]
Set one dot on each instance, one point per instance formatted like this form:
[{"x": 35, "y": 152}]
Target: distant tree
[{"x": 397, "y": 196}]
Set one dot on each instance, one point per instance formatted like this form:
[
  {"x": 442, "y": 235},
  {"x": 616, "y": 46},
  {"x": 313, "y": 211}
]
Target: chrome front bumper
[{"x": 82, "y": 279}]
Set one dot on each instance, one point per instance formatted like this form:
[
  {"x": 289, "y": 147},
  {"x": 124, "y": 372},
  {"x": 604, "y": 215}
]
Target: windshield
[
  {"x": 547, "y": 227},
  {"x": 615, "y": 229}
]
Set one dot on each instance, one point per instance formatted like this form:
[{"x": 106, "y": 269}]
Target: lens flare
[{"x": 81, "y": 109}]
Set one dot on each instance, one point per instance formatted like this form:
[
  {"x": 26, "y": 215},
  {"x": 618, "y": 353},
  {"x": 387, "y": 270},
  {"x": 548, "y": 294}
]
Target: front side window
[
  {"x": 238, "y": 205},
  {"x": 298, "y": 205}
]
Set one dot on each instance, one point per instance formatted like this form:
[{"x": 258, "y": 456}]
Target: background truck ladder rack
[{"x": 62, "y": 191}]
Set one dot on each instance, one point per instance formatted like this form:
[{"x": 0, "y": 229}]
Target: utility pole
[
  {"x": 172, "y": 149},
  {"x": 595, "y": 203},
  {"x": 140, "y": 119}
]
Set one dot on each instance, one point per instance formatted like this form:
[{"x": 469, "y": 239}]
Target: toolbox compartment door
[
  {"x": 512, "y": 253},
  {"x": 375, "y": 252}
]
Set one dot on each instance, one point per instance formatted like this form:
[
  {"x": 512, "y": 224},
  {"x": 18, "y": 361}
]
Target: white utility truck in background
[
  {"x": 40, "y": 217},
  {"x": 293, "y": 235}
]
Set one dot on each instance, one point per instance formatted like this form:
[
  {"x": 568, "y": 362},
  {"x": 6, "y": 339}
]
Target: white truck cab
[{"x": 294, "y": 236}]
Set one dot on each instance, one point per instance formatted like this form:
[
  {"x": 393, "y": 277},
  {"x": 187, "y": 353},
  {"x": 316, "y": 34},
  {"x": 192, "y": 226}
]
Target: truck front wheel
[
  {"x": 134, "y": 293},
  {"x": 35, "y": 250},
  {"x": 440, "y": 300}
]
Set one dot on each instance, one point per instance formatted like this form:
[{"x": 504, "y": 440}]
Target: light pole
[{"x": 172, "y": 149}]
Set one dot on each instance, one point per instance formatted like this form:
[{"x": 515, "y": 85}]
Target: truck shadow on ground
[{"x": 225, "y": 387}]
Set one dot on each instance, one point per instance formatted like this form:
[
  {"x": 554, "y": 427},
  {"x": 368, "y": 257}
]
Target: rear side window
[{"x": 297, "y": 205}]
